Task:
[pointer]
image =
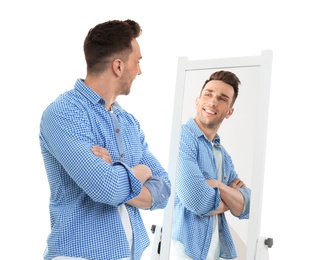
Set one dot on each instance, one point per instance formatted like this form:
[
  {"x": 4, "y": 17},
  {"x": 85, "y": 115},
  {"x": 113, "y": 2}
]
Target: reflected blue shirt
[
  {"x": 85, "y": 191},
  {"x": 195, "y": 199}
]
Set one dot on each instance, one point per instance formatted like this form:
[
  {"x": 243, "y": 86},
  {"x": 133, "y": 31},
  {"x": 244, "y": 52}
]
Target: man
[
  {"x": 98, "y": 164},
  {"x": 207, "y": 184}
]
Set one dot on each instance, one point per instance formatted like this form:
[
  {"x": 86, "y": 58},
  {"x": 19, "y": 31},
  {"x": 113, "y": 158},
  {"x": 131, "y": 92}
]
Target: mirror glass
[{"x": 243, "y": 135}]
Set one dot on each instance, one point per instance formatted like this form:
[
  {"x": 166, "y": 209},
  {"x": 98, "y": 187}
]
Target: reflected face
[
  {"x": 131, "y": 68},
  {"x": 214, "y": 104}
]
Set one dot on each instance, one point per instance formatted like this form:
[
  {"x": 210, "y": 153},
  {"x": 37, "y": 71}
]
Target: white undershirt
[
  {"x": 126, "y": 223},
  {"x": 214, "y": 249}
]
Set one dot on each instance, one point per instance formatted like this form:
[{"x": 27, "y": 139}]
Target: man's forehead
[{"x": 220, "y": 87}]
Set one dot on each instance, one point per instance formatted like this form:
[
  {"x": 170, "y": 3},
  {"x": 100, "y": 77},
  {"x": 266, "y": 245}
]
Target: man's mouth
[{"x": 210, "y": 112}]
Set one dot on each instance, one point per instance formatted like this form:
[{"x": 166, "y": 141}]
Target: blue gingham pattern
[
  {"x": 85, "y": 190},
  {"x": 195, "y": 199}
]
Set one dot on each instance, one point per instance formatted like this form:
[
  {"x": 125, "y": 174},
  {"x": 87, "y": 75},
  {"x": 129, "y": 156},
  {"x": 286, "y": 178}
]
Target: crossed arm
[
  {"x": 141, "y": 171},
  {"x": 231, "y": 198}
]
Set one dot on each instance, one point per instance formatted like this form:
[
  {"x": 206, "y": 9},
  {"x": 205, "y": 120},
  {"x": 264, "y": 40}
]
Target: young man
[
  {"x": 207, "y": 184},
  {"x": 96, "y": 195}
]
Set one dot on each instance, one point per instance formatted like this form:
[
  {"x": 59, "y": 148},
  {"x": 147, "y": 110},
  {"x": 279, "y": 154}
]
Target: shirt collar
[
  {"x": 196, "y": 130},
  {"x": 92, "y": 96}
]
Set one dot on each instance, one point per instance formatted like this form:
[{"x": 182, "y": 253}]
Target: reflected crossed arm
[{"x": 231, "y": 198}]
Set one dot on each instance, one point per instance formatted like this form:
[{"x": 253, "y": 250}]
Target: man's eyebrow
[
  {"x": 220, "y": 94},
  {"x": 224, "y": 95}
]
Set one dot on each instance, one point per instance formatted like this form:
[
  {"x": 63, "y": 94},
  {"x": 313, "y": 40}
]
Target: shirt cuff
[
  {"x": 246, "y": 192},
  {"x": 159, "y": 190}
]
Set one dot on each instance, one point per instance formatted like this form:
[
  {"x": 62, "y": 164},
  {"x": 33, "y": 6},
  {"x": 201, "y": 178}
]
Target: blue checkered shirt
[
  {"x": 195, "y": 199},
  {"x": 85, "y": 190}
]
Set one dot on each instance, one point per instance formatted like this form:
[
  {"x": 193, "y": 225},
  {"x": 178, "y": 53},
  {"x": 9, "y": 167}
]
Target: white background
[{"x": 41, "y": 56}]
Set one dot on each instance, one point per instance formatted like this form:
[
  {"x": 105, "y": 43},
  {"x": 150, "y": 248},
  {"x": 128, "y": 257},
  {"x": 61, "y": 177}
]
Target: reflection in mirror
[
  {"x": 242, "y": 137},
  {"x": 207, "y": 186}
]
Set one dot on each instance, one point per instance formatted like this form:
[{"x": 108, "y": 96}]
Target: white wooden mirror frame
[{"x": 260, "y": 67}]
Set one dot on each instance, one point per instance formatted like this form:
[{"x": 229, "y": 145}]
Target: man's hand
[
  {"x": 142, "y": 172},
  {"x": 237, "y": 183},
  {"x": 102, "y": 153},
  {"x": 221, "y": 209},
  {"x": 213, "y": 183}
]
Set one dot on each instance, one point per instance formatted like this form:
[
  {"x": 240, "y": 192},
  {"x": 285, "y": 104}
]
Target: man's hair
[
  {"x": 108, "y": 41},
  {"x": 227, "y": 77}
]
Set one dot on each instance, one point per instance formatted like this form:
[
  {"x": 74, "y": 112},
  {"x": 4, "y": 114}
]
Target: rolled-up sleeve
[
  {"x": 159, "y": 190},
  {"x": 246, "y": 192}
]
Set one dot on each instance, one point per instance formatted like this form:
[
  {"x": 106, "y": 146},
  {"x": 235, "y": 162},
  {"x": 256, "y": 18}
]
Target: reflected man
[{"x": 206, "y": 183}]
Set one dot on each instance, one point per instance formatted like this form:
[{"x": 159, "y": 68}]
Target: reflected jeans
[{"x": 177, "y": 252}]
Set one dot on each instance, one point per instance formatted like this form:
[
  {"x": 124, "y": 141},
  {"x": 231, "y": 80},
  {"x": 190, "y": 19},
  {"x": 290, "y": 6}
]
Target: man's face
[
  {"x": 131, "y": 68},
  {"x": 214, "y": 104}
]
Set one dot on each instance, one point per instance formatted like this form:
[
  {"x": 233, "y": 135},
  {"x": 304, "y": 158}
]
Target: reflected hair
[
  {"x": 108, "y": 41},
  {"x": 228, "y": 77}
]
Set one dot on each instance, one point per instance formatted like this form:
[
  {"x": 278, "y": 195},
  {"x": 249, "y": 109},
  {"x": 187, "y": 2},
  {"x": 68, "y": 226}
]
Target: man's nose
[{"x": 213, "y": 102}]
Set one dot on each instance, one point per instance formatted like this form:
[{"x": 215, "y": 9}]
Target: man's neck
[{"x": 103, "y": 86}]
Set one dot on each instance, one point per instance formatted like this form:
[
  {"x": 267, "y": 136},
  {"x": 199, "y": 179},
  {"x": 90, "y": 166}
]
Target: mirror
[{"x": 249, "y": 124}]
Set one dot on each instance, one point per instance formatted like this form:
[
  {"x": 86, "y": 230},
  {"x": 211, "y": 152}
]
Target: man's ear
[
  {"x": 118, "y": 67},
  {"x": 229, "y": 113},
  {"x": 197, "y": 101}
]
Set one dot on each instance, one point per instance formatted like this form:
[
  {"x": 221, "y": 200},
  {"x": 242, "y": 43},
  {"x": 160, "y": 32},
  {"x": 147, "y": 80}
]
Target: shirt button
[
  {"x": 122, "y": 155},
  {"x": 117, "y": 131},
  {"x": 224, "y": 178}
]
